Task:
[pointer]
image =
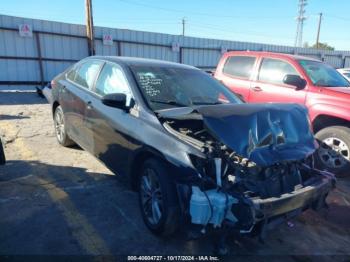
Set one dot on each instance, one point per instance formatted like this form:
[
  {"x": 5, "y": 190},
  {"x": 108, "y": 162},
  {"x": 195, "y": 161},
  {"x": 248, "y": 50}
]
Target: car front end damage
[{"x": 254, "y": 169}]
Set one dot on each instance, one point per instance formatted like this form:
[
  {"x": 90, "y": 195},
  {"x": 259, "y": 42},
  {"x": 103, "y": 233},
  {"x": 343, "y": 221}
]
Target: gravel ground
[{"x": 62, "y": 201}]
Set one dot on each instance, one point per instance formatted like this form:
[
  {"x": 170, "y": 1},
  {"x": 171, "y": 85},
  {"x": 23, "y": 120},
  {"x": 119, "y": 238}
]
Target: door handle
[
  {"x": 257, "y": 88},
  {"x": 89, "y": 105}
]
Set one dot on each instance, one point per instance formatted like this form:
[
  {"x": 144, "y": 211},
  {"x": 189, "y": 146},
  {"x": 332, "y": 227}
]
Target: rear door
[
  {"x": 237, "y": 72},
  {"x": 75, "y": 97},
  {"x": 110, "y": 127},
  {"x": 269, "y": 87}
]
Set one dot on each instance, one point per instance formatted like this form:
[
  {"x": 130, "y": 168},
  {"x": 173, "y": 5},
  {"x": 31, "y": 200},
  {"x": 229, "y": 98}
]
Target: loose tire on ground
[
  {"x": 337, "y": 138},
  {"x": 169, "y": 206},
  {"x": 60, "y": 128}
]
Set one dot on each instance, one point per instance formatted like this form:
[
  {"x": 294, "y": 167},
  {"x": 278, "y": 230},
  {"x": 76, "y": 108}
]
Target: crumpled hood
[{"x": 263, "y": 133}]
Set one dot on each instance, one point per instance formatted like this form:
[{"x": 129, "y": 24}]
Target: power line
[
  {"x": 199, "y": 13},
  {"x": 236, "y": 37},
  {"x": 243, "y": 32},
  {"x": 337, "y": 17}
]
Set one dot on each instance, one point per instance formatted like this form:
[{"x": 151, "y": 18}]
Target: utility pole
[
  {"x": 183, "y": 26},
  {"x": 318, "y": 31},
  {"x": 300, "y": 23},
  {"x": 89, "y": 27}
]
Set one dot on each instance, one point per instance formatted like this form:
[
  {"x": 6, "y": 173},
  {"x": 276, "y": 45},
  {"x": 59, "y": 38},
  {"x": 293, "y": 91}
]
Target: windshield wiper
[
  {"x": 206, "y": 103},
  {"x": 204, "y": 100},
  {"x": 169, "y": 102}
]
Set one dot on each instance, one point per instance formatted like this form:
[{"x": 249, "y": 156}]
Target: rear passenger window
[
  {"x": 274, "y": 70},
  {"x": 239, "y": 66},
  {"x": 87, "y": 72}
]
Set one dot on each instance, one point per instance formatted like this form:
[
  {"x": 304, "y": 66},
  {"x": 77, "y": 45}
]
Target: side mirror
[
  {"x": 295, "y": 80},
  {"x": 117, "y": 100}
]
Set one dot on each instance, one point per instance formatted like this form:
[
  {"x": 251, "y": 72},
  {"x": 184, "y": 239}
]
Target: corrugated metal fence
[{"x": 30, "y": 61}]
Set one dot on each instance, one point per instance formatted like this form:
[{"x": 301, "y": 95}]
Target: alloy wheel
[
  {"x": 151, "y": 197},
  {"x": 334, "y": 153},
  {"x": 59, "y": 125}
]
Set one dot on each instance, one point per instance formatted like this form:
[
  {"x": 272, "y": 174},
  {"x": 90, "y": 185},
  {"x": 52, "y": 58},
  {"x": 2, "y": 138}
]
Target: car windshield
[
  {"x": 322, "y": 74},
  {"x": 167, "y": 87}
]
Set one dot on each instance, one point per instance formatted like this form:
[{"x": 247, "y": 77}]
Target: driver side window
[
  {"x": 274, "y": 70},
  {"x": 112, "y": 80}
]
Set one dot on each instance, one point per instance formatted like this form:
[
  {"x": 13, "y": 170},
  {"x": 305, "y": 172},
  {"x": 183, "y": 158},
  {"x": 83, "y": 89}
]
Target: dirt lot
[{"x": 56, "y": 200}]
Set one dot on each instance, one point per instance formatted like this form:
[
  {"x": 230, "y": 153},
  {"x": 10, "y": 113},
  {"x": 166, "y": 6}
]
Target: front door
[
  {"x": 269, "y": 86},
  {"x": 109, "y": 125}
]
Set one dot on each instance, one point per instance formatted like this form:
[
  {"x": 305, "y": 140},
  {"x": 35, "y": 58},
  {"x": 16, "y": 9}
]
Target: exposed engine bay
[{"x": 237, "y": 190}]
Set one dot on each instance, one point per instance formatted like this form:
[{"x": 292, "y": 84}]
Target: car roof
[
  {"x": 137, "y": 61},
  {"x": 272, "y": 54}
]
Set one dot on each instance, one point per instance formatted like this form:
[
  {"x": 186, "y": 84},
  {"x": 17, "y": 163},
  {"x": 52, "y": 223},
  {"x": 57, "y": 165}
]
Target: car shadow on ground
[
  {"x": 61, "y": 206},
  {"x": 12, "y": 117},
  {"x": 71, "y": 210},
  {"x": 76, "y": 147},
  {"x": 21, "y": 98}
]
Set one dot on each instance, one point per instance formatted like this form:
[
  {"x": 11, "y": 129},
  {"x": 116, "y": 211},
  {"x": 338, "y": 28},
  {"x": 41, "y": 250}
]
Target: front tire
[
  {"x": 158, "y": 198},
  {"x": 334, "y": 151},
  {"x": 60, "y": 128}
]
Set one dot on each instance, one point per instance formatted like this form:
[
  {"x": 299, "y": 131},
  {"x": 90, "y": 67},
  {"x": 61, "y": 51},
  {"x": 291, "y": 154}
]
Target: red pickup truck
[{"x": 261, "y": 77}]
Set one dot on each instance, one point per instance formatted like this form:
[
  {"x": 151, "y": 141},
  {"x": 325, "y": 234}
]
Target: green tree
[{"x": 323, "y": 46}]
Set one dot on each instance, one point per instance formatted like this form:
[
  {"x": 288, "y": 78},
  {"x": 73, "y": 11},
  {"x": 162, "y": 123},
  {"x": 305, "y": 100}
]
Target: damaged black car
[{"x": 196, "y": 153}]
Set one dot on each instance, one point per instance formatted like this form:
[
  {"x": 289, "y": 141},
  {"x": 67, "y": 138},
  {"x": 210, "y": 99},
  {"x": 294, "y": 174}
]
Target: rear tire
[
  {"x": 60, "y": 128},
  {"x": 334, "y": 152},
  {"x": 158, "y": 198}
]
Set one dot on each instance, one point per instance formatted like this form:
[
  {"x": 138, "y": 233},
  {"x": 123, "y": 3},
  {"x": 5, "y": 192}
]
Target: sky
[{"x": 262, "y": 21}]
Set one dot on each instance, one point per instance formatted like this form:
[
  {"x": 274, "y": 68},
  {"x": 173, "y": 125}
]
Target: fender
[
  {"x": 181, "y": 170},
  {"x": 329, "y": 110}
]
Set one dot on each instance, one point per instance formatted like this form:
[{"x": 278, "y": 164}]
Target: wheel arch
[
  {"x": 138, "y": 159},
  {"x": 55, "y": 104},
  {"x": 321, "y": 121}
]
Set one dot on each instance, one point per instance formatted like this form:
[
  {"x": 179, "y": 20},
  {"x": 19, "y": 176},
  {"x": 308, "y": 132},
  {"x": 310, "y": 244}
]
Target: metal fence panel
[
  {"x": 63, "y": 47},
  {"x": 105, "y": 49},
  {"x": 347, "y": 62},
  {"x": 11, "y": 44},
  {"x": 19, "y": 70},
  {"x": 336, "y": 61},
  {"x": 149, "y": 51},
  {"x": 53, "y": 68},
  {"x": 201, "y": 57},
  {"x": 61, "y": 44}
]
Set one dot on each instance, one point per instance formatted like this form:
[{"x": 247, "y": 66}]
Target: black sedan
[{"x": 196, "y": 153}]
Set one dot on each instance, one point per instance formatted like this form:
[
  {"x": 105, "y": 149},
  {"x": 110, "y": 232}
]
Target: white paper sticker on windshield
[{"x": 150, "y": 84}]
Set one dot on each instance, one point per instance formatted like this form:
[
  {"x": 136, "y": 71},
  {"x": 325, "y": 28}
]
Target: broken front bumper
[
  {"x": 304, "y": 197},
  {"x": 267, "y": 213}
]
